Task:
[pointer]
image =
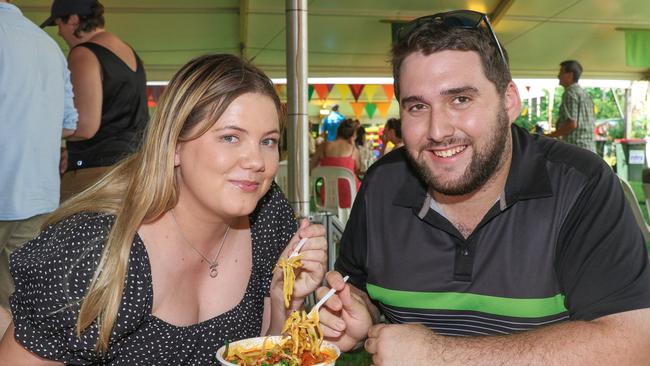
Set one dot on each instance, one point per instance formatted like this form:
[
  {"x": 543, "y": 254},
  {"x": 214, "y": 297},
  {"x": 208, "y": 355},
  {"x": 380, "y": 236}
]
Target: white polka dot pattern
[{"x": 53, "y": 271}]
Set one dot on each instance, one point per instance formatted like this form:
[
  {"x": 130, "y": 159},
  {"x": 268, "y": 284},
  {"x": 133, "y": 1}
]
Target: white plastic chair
[
  {"x": 331, "y": 176},
  {"x": 282, "y": 177},
  {"x": 636, "y": 208}
]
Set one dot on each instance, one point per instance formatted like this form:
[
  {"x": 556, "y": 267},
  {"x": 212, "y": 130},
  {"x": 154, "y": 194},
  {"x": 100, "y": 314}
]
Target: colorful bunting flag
[
  {"x": 344, "y": 90},
  {"x": 371, "y": 90},
  {"x": 356, "y": 90},
  {"x": 383, "y": 108},
  {"x": 357, "y": 107},
  {"x": 323, "y": 90},
  {"x": 281, "y": 90},
  {"x": 370, "y": 109},
  {"x": 389, "y": 90},
  {"x": 310, "y": 92}
]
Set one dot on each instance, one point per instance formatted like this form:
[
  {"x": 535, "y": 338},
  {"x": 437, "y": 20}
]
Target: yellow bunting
[
  {"x": 371, "y": 90},
  {"x": 344, "y": 90}
]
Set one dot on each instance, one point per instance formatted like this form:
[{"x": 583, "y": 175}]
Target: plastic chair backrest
[
  {"x": 636, "y": 209},
  {"x": 330, "y": 176},
  {"x": 282, "y": 177}
]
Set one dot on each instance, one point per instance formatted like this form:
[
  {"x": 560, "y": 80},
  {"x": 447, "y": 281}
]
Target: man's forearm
[
  {"x": 622, "y": 339},
  {"x": 564, "y": 129}
]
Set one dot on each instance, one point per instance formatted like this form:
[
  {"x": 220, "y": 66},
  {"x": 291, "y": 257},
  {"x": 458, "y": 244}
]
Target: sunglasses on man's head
[{"x": 453, "y": 19}]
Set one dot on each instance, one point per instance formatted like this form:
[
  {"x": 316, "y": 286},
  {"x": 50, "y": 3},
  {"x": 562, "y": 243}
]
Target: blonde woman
[{"x": 171, "y": 254}]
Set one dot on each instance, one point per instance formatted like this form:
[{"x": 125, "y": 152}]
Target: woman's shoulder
[
  {"x": 82, "y": 230},
  {"x": 52, "y": 274}
]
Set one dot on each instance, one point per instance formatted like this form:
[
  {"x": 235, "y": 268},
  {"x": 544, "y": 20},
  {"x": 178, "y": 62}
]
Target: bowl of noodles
[{"x": 274, "y": 350}]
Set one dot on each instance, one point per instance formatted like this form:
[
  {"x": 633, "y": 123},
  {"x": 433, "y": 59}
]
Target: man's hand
[
  {"x": 403, "y": 344},
  {"x": 345, "y": 318}
]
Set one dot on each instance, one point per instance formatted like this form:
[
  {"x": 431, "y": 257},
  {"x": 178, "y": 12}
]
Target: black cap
[{"x": 62, "y": 8}]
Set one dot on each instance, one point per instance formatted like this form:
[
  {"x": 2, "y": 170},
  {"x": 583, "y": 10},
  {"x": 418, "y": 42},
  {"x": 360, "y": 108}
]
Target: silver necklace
[{"x": 212, "y": 264}]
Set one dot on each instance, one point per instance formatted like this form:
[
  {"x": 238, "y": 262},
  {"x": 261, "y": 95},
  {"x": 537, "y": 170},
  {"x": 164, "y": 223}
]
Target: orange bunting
[
  {"x": 389, "y": 90},
  {"x": 357, "y": 107},
  {"x": 280, "y": 89},
  {"x": 383, "y": 108},
  {"x": 356, "y": 90},
  {"x": 323, "y": 90}
]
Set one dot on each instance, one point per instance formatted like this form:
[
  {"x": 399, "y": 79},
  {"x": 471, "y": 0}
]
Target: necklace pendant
[{"x": 213, "y": 270}]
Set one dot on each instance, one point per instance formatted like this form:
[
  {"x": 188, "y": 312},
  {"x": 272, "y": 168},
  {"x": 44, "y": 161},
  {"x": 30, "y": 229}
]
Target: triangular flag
[
  {"x": 357, "y": 107},
  {"x": 150, "y": 102},
  {"x": 329, "y": 87},
  {"x": 370, "y": 109},
  {"x": 383, "y": 108},
  {"x": 280, "y": 89},
  {"x": 310, "y": 92},
  {"x": 344, "y": 90},
  {"x": 356, "y": 90},
  {"x": 323, "y": 91},
  {"x": 389, "y": 90},
  {"x": 371, "y": 90}
]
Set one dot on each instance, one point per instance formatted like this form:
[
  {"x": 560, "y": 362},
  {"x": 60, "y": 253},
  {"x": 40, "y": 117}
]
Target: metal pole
[
  {"x": 628, "y": 113},
  {"x": 298, "y": 123}
]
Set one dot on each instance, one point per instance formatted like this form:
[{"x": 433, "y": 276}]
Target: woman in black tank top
[{"x": 110, "y": 95}]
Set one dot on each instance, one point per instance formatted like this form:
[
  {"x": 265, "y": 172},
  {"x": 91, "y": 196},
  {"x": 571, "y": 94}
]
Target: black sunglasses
[{"x": 453, "y": 19}]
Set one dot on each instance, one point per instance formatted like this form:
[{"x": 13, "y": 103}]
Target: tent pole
[{"x": 297, "y": 113}]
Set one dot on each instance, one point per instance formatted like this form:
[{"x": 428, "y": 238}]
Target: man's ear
[
  {"x": 512, "y": 101},
  {"x": 73, "y": 19}
]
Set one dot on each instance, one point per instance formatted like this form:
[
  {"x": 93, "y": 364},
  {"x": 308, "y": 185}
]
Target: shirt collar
[{"x": 527, "y": 178}]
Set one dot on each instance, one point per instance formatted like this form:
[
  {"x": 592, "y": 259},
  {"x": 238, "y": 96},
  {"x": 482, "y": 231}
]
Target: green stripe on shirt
[{"x": 504, "y": 306}]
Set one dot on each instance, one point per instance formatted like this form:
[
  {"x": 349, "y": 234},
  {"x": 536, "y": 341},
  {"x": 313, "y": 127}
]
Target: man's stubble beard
[{"x": 481, "y": 168}]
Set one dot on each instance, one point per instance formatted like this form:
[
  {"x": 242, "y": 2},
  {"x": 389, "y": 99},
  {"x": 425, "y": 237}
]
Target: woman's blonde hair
[{"x": 142, "y": 187}]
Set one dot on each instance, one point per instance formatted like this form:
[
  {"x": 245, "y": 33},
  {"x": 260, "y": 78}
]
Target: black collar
[{"x": 527, "y": 178}]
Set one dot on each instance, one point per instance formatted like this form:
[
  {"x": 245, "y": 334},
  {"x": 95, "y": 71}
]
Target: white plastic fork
[
  {"x": 298, "y": 247},
  {"x": 329, "y": 294}
]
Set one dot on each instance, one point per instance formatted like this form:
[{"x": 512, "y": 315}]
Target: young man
[
  {"x": 576, "y": 122},
  {"x": 476, "y": 228}
]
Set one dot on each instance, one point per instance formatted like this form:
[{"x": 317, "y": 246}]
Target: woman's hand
[
  {"x": 314, "y": 263},
  {"x": 313, "y": 257}
]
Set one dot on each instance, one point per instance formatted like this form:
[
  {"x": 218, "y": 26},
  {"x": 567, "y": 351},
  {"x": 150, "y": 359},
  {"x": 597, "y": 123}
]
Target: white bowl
[{"x": 255, "y": 342}]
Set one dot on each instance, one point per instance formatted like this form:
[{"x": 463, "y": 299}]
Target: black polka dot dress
[{"x": 53, "y": 272}]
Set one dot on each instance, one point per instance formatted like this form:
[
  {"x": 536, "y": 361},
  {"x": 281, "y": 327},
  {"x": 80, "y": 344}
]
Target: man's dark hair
[
  {"x": 573, "y": 67},
  {"x": 88, "y": 23},
  {"x": 429, "y": 38},
  {"x": 395, "y": 124},
  {"x": 346, "y": 129}
]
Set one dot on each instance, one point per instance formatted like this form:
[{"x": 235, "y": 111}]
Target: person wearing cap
[
  {"x": 110, "y": 93},
  {"x": 36, "y": 110},
  {"x": 479, "y": 243}
]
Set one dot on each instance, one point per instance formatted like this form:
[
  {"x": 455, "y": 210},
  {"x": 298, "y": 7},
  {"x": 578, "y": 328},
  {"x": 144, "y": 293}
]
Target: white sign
[{"x": 637, "y": 157}]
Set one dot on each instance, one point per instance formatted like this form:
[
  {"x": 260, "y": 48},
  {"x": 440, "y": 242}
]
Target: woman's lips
[{"x": 245, "y": 185}]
